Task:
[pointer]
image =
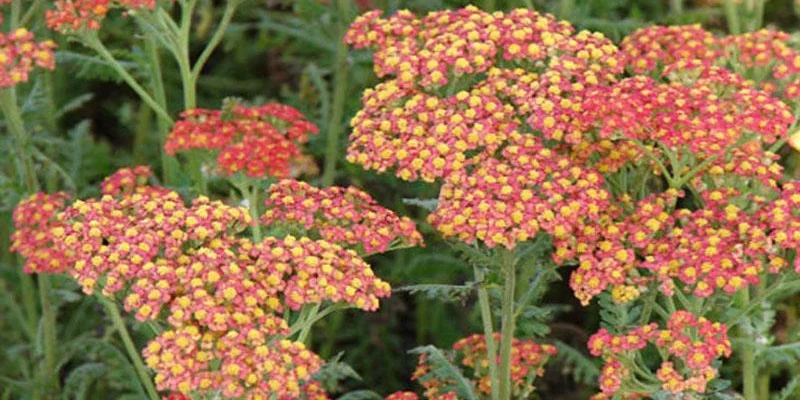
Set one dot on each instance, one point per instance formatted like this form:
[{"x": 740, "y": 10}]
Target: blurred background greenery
[{"x": 87, "y": 123}]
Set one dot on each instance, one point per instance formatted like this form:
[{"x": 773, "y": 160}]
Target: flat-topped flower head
[
  {"x": 346, "y": 216},
  {"x": 20, "y": 54},
  {"x": 461, "y": 82},
  {"x": 305, "y": 271},
  {"x": 423, "y": 136},
  {"x": 651, "y": 48},
  {"x": 259, "y": 142},
  {"x": 113, "y": 242},
  {"x": 511, "y": 199},
  {"x": 689, "y": 345},
  {"x": 527, "y": 363},
  {"x": 127, "y": 181},
  {"x": 238, "y": 364},
  {"x": 402, "y": 396},
  {"x": 35, "y": 220},
  {"x": 70, "y": 16}
]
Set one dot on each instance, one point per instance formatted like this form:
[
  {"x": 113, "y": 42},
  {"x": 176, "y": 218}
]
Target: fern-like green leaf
[
  {"x": 89, "y": 67},
  {"x": 790, "y": 391},
  {"x": 79, "y": 380},
  {"x": 360, "y": 395},
  {"x": 443, "y": 292},
  {"x": 334, "y": 372},
  {"x": 442, "y": 369},
  {"x": 582, "y": 368}
]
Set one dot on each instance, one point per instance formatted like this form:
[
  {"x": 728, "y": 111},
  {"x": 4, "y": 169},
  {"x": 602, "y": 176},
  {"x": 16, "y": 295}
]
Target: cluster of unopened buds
[
  {"x": 20, "y": 53},
  {"x": 527, "y": 362},
  {"x": 262, "y": 141},
  {"x": 689, "y": 345},
  {"x": 346, "y": 216},
  {"x": 219, "y": 293}
]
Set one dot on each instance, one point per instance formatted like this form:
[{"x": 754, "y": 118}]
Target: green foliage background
[{"x": 87, "y": 123}]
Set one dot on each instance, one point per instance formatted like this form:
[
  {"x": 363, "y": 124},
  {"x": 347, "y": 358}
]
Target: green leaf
[
  {"x": 443, "y": 292},
  {"x": 360, "y": 395},
  {"x": 581, "y": 366},
  {"x": 80, "y": 379},
  {"x": 334, "y": 372},
  {"x": 790, "y": 391},
  {"x": 442, "y": 369}
]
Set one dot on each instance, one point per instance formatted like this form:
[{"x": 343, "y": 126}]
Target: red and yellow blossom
[
  {"x": 71, "y": 16},
  {"x": 305, "y": 271},
  {"x": 259, "y": 142},
  {"x": 510, "y": 200},
  {"x": 35, "y": 219},
  {"x": 689, "y": 345},
  {"x": 20, "y": 53},
  {"x": 345, "y": 216},
  {"x": 527, "y": 363}
]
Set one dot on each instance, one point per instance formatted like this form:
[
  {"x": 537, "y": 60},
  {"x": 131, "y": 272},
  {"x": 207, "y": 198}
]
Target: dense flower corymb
[
  {"x": 257, "y": 141},
  {"x": 34, "y": 219},
  {"x": 689, "y": 345},
  {"x": 19, "y": 54},
  {"x": 453, "y": 100},
  {"x": 527, "y": 362},
  {"x": 306, "y": 271},
  {"x": 75, "y": 15},
  {"x": 510, "y": 200},
  {"x": 346, "y": 216}
]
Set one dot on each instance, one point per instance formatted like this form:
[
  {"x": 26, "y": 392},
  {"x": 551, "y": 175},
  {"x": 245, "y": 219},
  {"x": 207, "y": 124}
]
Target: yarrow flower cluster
[
  {"x": 651, "y": 48},
  {"x": 310, "y": 271},
  {"x": 346, "y": 216},
  {"x": 34, "y": 219},
  {"x": 510, "y": 200},
  {"x": 689, "y": 345},
  {"x": 71, "y": 16},
  {"x": 527, "y": 363},
  {"x": 219, "y": 293},
  {"x": 259, "y": 142},
  {"x": 452, "y": 102},
  {"x": 20, "y": 53}
]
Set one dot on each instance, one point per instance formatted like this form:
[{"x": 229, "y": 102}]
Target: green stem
[
  {"x": 227, "y": 16},
  {"x": 196, "y": 170},
  {"x": 676, "y": 6},
  {"x": 93, "y": 42},
  {"x": 252, "y": 198},
  {"x": 32, "y": 10},
  {"x": 312, "y": 313},
  {"x": 507, "y": 323},
  {"x": 49, "y": 334},
  {"x": 339, "y": 99},
  {"x": 133, "y": 353},
  {"x": 732, "y": 17},
  {"x": 488, "y": 330},
  {"x": 749, "y": 373},
  {"x": 168, "y": 163},
  {"x": 184, "y": 63},
  {"x": 15, "y": 125}
]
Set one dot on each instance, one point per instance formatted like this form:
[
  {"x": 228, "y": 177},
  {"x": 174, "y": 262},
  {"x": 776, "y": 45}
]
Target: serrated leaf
[
  {"x": 428, "y": 204},
  {"x": 790, "y": 391},
  {"x": 360, "y": 395},
  {"x": 442, "y": 369},
  {"x": 443, "y": 292},
  {"x": 582, "y": 368},
  {"x": 90, "y": 67},
  {"x": 79, "y": 380}
]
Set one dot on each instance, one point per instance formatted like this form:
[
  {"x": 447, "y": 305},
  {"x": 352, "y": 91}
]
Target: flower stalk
[
  {"x": 130, "y": 347},
  {"x": 508, "y": 264}
]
